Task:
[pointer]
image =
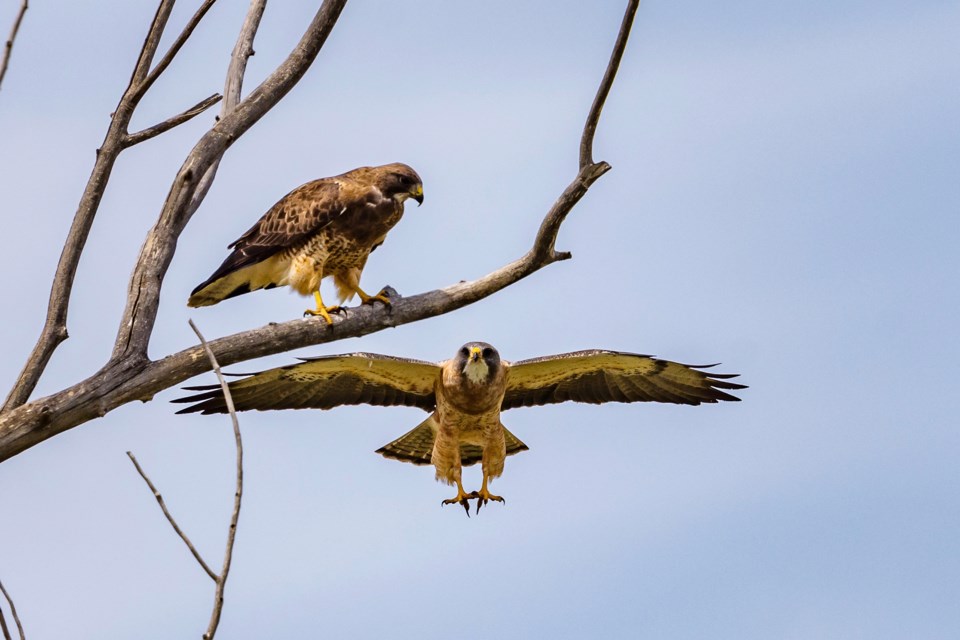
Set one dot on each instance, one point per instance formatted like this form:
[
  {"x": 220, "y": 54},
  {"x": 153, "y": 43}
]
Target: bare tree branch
[
  {"x": 130, "y": 375},
  {"x": 237, "y": 494},
  {"x": 586, "y": 142},
  {"x": 3, "y": 626},
  {"x": 221, "y": 578},
  {"x": 13, "y": 612},
  {"x": 8, "y": 47},
  {"x": 168, "y": 57},
  {"x": 170, "y": 518},
  {"x": 55, "y": 327},
  {"x": 151, "y": 132}
]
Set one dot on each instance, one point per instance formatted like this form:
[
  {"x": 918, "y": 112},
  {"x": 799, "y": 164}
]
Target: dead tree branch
[
  {"x": 13, "y": 612},
  {"x": 152, "y": 132},
  {"x": 55, "y": 327},
  {"x": 590, "y": 128},
  {"x": 130, "y": 375},
  {"x": 237, "y": 494},
  {"x": 221, "y": 578},
  {"x": 171, "y": 53},
  {"x": 8, "y": 47},
  {"x": 170, "y": 518}
]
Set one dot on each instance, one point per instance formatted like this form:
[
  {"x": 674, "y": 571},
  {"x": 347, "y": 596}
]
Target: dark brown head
[
  {"x": 400, "y": 182},
  {"x": 478, "y": 362}
]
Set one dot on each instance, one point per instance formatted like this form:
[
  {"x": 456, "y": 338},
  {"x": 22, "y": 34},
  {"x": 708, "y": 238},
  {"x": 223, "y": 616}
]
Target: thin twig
[
  {"x": 170, "y": 519},
  {"x": 8, "y": 47},
  {"x": 237, "y": 495},
  {"x": 586, "y": 141},
  {"x": 174, "y": 48},
  {"x": 219, "y": 579},
  {"x": 3, "y": 626},
  {"x": 151, "y": 132},
  {"x": 13, "y": 612}
]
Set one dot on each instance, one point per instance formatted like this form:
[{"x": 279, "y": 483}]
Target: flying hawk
[
  {"x": 465, "y": 396},
  {"x": 327, "y": 227}
]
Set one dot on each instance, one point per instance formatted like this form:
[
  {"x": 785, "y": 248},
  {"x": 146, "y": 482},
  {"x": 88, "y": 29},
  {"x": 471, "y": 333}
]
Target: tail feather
[
  {"x": 262, "y": 275},
  {"x": 416, "y": 446}
]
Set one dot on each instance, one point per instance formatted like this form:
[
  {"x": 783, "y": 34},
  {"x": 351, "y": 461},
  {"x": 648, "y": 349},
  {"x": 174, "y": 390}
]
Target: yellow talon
[
  {"x": 368, "y": 299},
  {"x": 321, "y": 310},
  {"x": 462, "y": 498},
  {"x": 483, "y": 496}
]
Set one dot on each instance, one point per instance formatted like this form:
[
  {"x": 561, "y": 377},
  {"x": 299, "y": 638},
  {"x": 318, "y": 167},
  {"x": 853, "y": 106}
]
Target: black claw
[{"x": 466, "y": 506}]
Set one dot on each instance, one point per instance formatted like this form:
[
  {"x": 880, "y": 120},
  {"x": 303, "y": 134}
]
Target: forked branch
[
  {"x": 55, "y": 326},
  {"x": 220, "y": 579},
  {"x": 151, "y": 132}
]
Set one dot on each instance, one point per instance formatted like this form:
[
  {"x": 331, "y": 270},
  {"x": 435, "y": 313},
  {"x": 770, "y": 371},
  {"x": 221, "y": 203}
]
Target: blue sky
[{"x": 784, "y": 199}]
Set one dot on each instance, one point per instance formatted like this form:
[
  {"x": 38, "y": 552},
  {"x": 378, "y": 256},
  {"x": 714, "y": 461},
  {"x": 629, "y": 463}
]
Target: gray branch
[
  {"x": 170, "y": 518},
  {"x": 55, "y": 326},
  {"x": 8, "y": 47},
  {"x": 152, "y": 132},
  {"x": 13, "y": 612},
  {"x": 220, "y": 579}
]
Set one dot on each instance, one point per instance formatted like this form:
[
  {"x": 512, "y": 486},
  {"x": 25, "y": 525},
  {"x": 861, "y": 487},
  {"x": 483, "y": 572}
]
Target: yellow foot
[
  {"x": 380, "y": 297},
  {"x": 324, "y": 312},
  {"x": 461, "y": 498},
  {"x": 483, "y": 497}
]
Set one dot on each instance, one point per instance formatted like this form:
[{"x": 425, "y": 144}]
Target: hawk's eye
[
  {"x": 465, "y": 352},
  {"x": 487, "y": 353},
  {"x": 404, "y": 180}
]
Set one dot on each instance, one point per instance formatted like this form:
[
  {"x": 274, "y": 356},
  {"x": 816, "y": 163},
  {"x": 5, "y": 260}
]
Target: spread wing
[
  {"x": 297, "y": 216},
  {"x": 598, "y": 376},
  {"x": 324, "y": 383}
]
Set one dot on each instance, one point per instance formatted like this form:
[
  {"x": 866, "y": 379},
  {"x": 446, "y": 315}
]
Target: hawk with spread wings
[
  {"x": 465, "y": 396},
  {"x": 327, "y": 227}
]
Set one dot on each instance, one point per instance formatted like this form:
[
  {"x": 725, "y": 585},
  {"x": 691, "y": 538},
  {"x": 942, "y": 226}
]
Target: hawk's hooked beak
[
  {"x": 417, "y": 194},
  {"x": 475, "y": 354}
]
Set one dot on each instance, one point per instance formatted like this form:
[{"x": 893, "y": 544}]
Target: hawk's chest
[{"x": 349, "y": 238}]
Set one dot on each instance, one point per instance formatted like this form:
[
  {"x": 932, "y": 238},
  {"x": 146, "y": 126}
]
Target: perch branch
[
  {"x": 55, "y": 326},
  {"x": 13, "y": 612},
  {"x": 170, "y": 518},
  {"x": 237, "y": 494},
  {"x": 151, "y": 132},
  {"x": 124, "y": 380},
  {"x": 8, "y": 47}
]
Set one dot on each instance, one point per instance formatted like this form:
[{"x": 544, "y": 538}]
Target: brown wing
[
  {"x": 598, "y": 376},
  {"x": 295, "y": 218},
  {"x": 324, "y": 383}
]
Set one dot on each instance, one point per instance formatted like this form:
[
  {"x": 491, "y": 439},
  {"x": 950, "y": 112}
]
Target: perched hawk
[
  {"x": 327, "y": 227},
  {"x": 465, "y": 396}
]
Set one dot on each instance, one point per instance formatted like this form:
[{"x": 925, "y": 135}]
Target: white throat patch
[{"x": 477, "y": 371}]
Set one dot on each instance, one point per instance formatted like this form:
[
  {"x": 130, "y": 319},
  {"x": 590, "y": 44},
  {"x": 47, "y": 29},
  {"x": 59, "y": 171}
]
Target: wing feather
[
  {"x": 598, "y": 376},
  {"x": 324, "y": 383},
  {"x": 293, "y": 220}
]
